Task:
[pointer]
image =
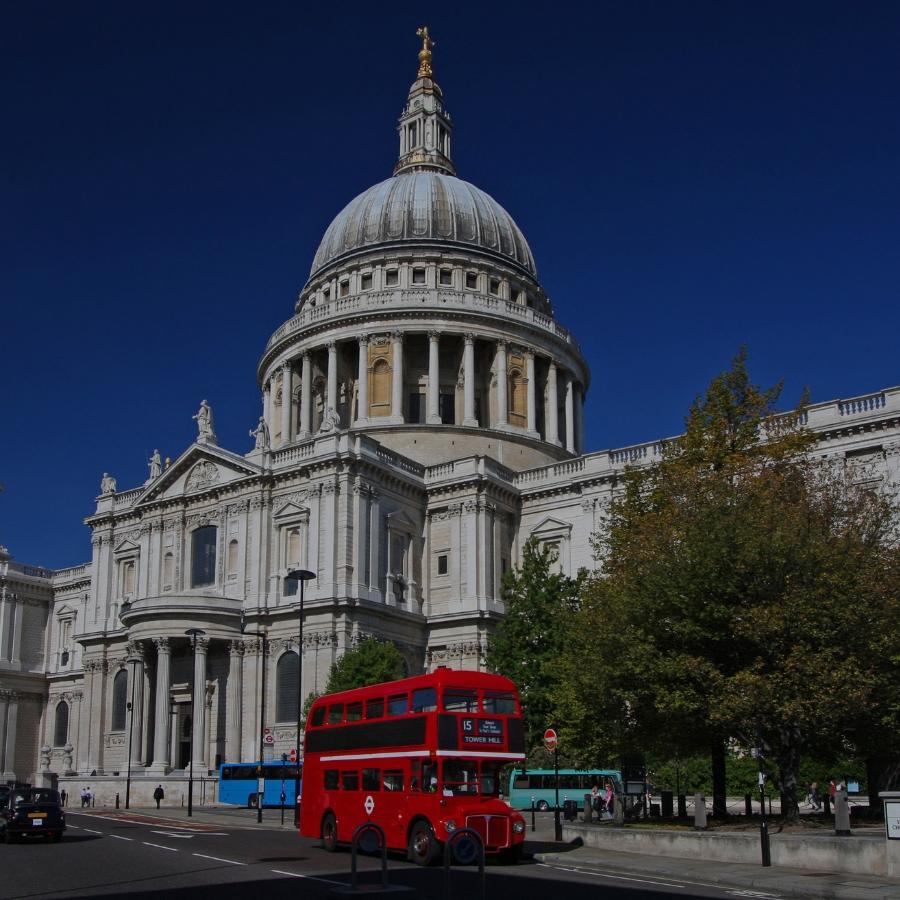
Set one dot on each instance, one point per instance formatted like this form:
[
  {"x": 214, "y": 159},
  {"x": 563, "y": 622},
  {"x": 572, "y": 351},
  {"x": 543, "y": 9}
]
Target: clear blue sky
[{"x": 691, "y": 177}]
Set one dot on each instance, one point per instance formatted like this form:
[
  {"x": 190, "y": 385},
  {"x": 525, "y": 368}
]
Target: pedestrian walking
[
  {"x": 158, "y": 794},
  {"x": 85, "y": 795},
  {"x": 63, "y": 797},
  {"x": 815, "y": 801}
]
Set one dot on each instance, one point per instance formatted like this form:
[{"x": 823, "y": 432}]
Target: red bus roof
[{"x": 440, "y": 677}]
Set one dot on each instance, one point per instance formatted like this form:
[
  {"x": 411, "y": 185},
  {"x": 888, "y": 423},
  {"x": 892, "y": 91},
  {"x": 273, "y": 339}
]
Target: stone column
[
  {"x": 374, "y": 544},
  {"x": 469, "y": 382},
  {"x": 362, "y": 396},
  {"x": 9, "y": 743},
  {"x": 433, "y": 412},
  {"x": 198, "y": 726},
  {"x": 267, "y": 409},
  {"x": 234, "y": 692},
  {"x": 161, "y": 762},
  {"x": 552, "y": 417},
  {"x": 136, "y": 691},
  {"x": 397, "y": 378},
  {"x": 570, "y": 414},
  {"x": 531, "y": 399},
  {"x": 287, "y": 389},
  {"x": 579, "y": 419},
  {"x": 6, "y": 772},
  {"x": 16, "y": 659},
  {"x": 331, "y": 401},
  {"x": 305, "y": 395},
  {"x": 502, "y": 382}
]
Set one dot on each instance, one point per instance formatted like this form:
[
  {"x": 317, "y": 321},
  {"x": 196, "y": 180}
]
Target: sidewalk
[{"x": 233, "y": 816}]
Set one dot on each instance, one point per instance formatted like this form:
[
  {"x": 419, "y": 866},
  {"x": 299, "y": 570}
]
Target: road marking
[
  {"x": 760, "y": 894},
  {"x": 160, "y": 846},
  {"x": 92, "y": 831},
  {"x": 119, "y": 837},
  {"x": 616, "y": 877},
  {"x": 184, "y": 837},
  {"x": 309, "y": 877},
  {"x": 219, "y": 859}
]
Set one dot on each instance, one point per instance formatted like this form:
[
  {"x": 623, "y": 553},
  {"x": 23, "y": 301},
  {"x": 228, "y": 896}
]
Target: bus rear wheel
[
  {"x": 329, "y": 833},
  {"x": 423, "y": 845}
]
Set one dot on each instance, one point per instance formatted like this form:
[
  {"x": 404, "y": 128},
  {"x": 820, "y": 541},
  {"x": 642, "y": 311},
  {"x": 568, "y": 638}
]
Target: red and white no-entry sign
[
  {"x": 369, "y": 805},
  {"x": 550, "y": 739},
  {"x": 293, "y": 754}
]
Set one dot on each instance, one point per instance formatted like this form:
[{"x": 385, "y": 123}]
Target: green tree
[
  {"x": 370, "y": 662},
  {"x": 527, "y": 641},
  {"x": 731, "y": 572}
]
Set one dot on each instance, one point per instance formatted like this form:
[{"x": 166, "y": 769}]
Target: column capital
[
  {"x": 502, "y": 344},
  {"x": 287, "y": 365},
  {"x": 434, "y": 335},
  {"x": 363, "y": 340},
  {"x": 202, "y": 645},
  {"x": 397, "y": 335},
  {"x": 332, "y": 346},
  {"x": 163, "y": 645},
  {"x": 236, "y": 648},
  {"x": 469, "y": 337}
]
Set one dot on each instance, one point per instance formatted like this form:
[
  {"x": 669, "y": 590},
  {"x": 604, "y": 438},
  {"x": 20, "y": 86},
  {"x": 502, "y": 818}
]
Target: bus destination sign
[{"x": 482, "y": 731}]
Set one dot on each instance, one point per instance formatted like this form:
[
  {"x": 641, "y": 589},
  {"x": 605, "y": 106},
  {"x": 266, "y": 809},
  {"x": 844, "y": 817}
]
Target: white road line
[
  {"x": 616, "y": 877},
  {"x": 309, "y": 877},
  {"x": 185, "y": 837},
  {"x": 119, "y": 837},
  {"x": 92, "y": 831},
  {"x": 160, "y": 846},
  {"x": 233, "y": 862}
]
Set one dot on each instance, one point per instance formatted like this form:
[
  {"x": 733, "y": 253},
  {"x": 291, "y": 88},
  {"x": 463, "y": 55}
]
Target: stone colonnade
[{"x": 291, "y": 426}]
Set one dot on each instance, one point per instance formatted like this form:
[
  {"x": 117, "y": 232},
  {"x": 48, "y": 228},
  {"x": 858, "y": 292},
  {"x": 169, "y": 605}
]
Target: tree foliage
[
  {"x": 370, "y": 662},
  {"x": 528, "y": 640},
  {"x": 747, "y": 589}
]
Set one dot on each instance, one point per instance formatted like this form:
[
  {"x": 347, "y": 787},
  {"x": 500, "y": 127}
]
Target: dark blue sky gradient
[{"x": 690, "y": 176}]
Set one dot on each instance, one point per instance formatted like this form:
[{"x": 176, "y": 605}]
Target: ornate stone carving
[
  {"x": 163, "y": 644},
  {"x": 203, "y": 475}
]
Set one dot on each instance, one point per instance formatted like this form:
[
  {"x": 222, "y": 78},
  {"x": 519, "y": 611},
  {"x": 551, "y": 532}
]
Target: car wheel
[
  {"x": 329, "y": 833},
  {"x": 251, "y": 801},
  {"x": 423, "y": 845},
  {"x": 543, "y": 805}
]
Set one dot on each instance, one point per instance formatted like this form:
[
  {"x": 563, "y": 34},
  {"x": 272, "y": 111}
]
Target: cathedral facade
[{"x": 422, "y": 418}]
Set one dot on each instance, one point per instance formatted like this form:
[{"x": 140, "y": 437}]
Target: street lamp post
[
  {"x": 262, "y": 715},
  {"x": 134, "y": 660},
  {"x": 301, "y": 575},
  {"x": 193, "y": 634}
]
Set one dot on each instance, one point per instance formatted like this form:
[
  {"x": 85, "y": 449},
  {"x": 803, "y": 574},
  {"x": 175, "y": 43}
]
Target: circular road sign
[
  {"x": 269, "y": 739},
  {"x": 370, "y": 805},
  {"x": 550, "y": 739}
]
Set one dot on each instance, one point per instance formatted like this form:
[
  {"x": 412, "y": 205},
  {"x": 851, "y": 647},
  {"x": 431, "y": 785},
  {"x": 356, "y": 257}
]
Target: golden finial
[{"x": 425, "y": 52}]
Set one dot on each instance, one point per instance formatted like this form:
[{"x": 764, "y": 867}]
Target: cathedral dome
[{"x": 428, "y": 207}]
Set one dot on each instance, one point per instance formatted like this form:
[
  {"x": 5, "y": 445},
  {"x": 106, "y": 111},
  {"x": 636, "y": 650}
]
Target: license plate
[{"x": 37, "y": 821}]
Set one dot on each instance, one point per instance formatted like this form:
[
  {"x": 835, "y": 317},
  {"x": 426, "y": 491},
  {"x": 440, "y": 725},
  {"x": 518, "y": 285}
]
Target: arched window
[
  {"x": 380, "y": 404},
  {"x": 61, "y": 724},
  {"x": 128, "y": 577},
  {"x": 120, "y": 694},
  {"x": 203, "y": 556},
  {"x": 232, "y": 557},
  {"x": 286, "y": 687},
  {"x": 168, "y": 571}
]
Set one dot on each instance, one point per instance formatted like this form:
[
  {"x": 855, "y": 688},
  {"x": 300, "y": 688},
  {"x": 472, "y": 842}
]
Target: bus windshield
[{"x": 471, "y": 776}]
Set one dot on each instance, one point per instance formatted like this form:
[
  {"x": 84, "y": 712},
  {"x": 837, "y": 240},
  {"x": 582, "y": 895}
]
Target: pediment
[
  {"x": 200, "y": 468},
  {"x": 399, "y": 520},
  {"x": 291, "y": 511},
  {"x": 550, "y": 525},
  {"x": 65, "y": 611},
  {"x": 126, "y": 546}
]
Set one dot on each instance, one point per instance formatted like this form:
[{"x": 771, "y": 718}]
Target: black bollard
[
  {"x": 748, "y": 804},
  {"x": 682, "y": 806},
  {"x": 666, "y": 804},
  {"x": 532, "y": 813},
  {"x": 117, "y": 799}
]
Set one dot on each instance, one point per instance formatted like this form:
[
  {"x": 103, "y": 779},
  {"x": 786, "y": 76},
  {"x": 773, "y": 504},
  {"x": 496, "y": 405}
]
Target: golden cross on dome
[{"x": 425, "y": 52}]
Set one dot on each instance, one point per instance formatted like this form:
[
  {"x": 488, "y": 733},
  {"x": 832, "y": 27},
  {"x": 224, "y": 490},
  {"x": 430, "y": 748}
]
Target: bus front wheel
[
  {"x": 543, "y": 805},
  {"x": 329, "y": 833},
  {"x": 423, "y": 845}
]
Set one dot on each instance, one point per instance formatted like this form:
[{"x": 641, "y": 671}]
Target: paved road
[{"x": 118, "y": 853}]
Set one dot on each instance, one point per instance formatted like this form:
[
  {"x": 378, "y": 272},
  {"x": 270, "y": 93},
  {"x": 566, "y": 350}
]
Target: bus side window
[
  {"x": 331, "y": 779},
  {"x": 429, "y": 778},
  {"x": 424, "y": 700},
  {"x": 521, "y": 781},
  {"x": 336, "y": 714},
  {"x": 350, "y": 781},
  {"x": 415, "y": 775},
  {"x": 371, "y": 779},
  {"x": 318, "y": 716},
  {"x": 398, "y": 705},
  {"x": 393, "y": 780},
  {"x": 354, "y": 711},
  {"x": 375, "y": 708}
]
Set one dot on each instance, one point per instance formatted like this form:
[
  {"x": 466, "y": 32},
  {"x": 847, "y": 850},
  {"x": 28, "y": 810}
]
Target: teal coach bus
[{"x": 540, "y": 785}]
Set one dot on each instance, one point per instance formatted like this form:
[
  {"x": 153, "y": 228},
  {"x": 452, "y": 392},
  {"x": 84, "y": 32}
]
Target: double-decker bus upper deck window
[
  {"x": 393, "y": 780},
  {"x": 354, "y": 711},
  {"x": 424, "y": 700},
  {"x": 371, "y": 779},
  {"x": 318, "y": 716},
  {"x": 350, "y": 781},
  {"x": 375, "y": 708},
  {"x": 502, "y": 703},
  {"x": 336, "y": 714},
  {"x": 459, "y": 700},
  {"x": 398, "y": 705},
  {"x": 332, "y": 779}
]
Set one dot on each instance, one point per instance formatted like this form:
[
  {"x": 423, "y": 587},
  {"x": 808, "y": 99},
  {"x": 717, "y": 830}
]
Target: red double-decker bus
[{"x": 420, "y": 757}]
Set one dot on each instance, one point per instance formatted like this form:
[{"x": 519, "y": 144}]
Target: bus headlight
[
  {"x": 518, "y": 827},
  {"x": 450, "y": 825}
]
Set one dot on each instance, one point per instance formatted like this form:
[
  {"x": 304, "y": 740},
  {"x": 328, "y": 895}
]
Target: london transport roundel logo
[
  {"x": 369, "y": 804},
  {"x": 550, "y": 739}
]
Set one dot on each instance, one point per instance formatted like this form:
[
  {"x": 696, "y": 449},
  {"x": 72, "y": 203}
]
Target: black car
[{"x": 31, "y": 813}]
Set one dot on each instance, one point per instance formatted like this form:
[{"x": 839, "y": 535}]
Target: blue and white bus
[
  {"x": 540, "y": 785},
  {"x": 238, "y": 783}
]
